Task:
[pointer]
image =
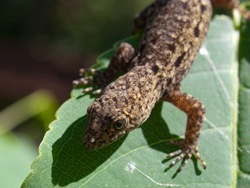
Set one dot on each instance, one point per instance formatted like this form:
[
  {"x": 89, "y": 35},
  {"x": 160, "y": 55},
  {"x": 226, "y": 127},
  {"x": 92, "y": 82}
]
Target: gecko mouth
[{"x": 91, "y": 142}]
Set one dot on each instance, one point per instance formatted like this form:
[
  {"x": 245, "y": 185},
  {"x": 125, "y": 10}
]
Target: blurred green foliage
[
  {"x": 40, "y": 103},
  {"x": 17, "y": 150}
]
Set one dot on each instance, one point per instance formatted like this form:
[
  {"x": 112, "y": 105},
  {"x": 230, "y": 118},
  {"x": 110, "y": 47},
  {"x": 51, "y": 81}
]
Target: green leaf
[{"x": 137, "y": 160}]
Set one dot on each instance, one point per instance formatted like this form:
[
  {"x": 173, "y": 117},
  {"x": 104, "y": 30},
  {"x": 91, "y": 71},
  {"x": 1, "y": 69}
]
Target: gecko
[{"x": 173, "y": 32}]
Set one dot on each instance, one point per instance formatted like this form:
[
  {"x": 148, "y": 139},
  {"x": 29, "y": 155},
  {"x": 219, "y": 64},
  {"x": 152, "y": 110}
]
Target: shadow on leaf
[
  {"x": 71, "y": 161},
  {"x": 157, "y": 133},
  {"x": 156, "y": 130}
]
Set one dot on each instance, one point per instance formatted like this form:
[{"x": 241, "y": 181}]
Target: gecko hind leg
[
  {"x": 189, "y": 145},
  {"x": 96, "y": 80}
]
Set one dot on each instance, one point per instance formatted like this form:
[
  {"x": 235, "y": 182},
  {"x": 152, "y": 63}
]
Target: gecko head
[{"x": 105, "y": 125}]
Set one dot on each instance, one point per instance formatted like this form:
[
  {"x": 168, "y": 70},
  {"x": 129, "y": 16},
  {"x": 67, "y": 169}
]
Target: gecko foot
[
  {"x": 88, "y": 79},
  {"x": 185, "y": 153}
]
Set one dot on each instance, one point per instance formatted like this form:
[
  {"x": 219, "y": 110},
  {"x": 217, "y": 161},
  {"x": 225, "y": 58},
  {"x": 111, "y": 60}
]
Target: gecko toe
[
  {"x": 83, "y": 81},
  {"x": 197, "y": 155},
  {"x": 96, "y": 92},
  {"x": 90, "y": 71},
  {"x": 88, "y": 89},
  {"x": 89, "y": 79},
  {"x": 184, "y": 154}
]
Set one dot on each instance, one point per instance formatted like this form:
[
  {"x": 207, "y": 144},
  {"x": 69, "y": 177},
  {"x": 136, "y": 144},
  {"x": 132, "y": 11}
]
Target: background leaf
[{"x": 138, "y": 158}]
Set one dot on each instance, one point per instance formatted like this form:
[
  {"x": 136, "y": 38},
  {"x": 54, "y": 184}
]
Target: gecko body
[{"x": 174, "y": 31}]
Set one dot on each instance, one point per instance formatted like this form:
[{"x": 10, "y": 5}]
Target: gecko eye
[{"x": 118, "y": 125}]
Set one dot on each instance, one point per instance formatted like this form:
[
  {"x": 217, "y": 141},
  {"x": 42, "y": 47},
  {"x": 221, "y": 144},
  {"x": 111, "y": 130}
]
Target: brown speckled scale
[{"x": 174, "y": 31}]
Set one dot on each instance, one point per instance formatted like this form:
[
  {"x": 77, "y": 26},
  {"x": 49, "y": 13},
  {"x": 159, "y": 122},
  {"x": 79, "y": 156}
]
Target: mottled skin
[{"x": 174, "y": 30}]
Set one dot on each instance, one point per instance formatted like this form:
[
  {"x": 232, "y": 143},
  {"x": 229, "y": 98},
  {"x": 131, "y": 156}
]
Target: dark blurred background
[
  {"x": 42, "y": 46},
  {"x": 43, "y": 43}
]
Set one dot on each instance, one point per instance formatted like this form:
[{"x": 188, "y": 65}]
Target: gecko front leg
[
  {"x": 98, "y": 80},
  {"x": 195, "y": 111}
]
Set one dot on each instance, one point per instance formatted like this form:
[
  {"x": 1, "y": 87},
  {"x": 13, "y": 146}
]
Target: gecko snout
[
  {"x": 93, "y": 142},
  {"x": 89, "y": 141}
]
